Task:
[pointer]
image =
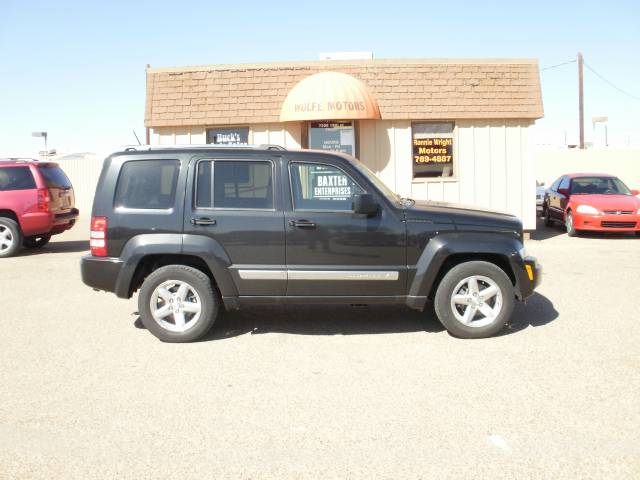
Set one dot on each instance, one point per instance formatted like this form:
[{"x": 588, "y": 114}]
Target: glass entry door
[{"x": 337, "y": 136}]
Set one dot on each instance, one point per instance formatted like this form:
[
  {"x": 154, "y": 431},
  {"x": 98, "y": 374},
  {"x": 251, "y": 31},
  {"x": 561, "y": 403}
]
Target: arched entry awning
[{"x": 329, "y": 96}]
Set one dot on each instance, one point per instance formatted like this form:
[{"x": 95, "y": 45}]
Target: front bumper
[
  {"x": 607, "y": 223},
  {"x": 529, "y": 277}
]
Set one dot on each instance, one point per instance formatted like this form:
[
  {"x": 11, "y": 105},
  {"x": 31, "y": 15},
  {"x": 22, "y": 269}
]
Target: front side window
[
  {"x": 16, "y": 178},
  {"x": 322, "y": 187},
  {"x": 147, "y": 184},
  {"x": 432, "y": 145},
  {"x": 234, "y": 184}
]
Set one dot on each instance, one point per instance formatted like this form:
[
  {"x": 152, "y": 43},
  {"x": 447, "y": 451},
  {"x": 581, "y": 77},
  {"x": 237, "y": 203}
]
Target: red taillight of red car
[
  {"x": 98, "y": 241},
  {"x": 43, "y": 200}
]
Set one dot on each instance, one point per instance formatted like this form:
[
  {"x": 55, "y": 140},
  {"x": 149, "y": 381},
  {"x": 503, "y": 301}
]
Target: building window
[
  {"x": 147, "y": 184},
  {"x": 432, "y": 149},
  {"x": 334, "y": 136},
  {"x": 228, "y": 135},
  {"x": 322, "y": 187},
  {"x": 236, "y": 185}
]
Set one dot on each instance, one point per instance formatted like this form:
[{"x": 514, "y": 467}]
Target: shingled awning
[{"x": 404, "y": 89}]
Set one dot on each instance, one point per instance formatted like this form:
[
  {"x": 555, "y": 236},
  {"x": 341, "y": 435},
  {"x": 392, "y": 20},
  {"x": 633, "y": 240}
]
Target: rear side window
[
  {"x": 16, "y": 178},
  {"x": 54, "y": 177},
  {"x": 233, "y": 184},
  {"x": 147, "y": 184}
]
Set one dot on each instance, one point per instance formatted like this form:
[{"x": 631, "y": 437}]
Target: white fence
[{"x": 83, "y": 170}]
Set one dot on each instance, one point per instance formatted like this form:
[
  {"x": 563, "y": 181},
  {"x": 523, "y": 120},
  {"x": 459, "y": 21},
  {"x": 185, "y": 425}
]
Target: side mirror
[
  {"x": 635, "y": 192},
  {"x": 563, "y": 191},
  {"x": 365, "y": 203}
]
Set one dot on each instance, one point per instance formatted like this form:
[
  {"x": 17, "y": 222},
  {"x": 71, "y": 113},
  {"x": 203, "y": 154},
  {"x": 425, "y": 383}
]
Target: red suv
[{"x": 36, "y": 202}]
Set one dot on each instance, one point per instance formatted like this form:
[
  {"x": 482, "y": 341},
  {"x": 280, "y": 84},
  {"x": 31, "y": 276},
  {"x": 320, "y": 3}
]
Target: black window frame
[{"x": 213, "y": 161}]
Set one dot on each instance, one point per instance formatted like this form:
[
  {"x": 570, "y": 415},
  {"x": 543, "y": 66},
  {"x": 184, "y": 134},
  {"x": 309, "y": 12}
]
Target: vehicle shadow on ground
[
  {"x": 542, "y": 232},
  {"x": 71, "y": 246},
  {"x": 345, "y": 320}
]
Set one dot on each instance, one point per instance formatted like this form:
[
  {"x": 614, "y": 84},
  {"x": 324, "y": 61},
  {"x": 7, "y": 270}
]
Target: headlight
[
  {"x": 638, "y": 212},
  {"x": 588, "y": 209}
]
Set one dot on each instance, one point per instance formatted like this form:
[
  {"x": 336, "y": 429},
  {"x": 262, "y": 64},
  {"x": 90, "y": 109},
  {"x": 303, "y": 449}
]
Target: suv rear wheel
[
  {"x": 10, "y": 237},
  {"x": 178, "y": 304},
  {"x": 474, "y": 300}
]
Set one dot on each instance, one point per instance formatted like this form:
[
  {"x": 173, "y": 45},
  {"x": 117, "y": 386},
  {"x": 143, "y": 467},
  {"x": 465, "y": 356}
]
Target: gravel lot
[{"x": 324, "y": 392}]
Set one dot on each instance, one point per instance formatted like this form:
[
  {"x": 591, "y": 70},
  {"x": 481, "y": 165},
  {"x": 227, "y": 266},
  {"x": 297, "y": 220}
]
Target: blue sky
[{"x": 76, "y": 68}]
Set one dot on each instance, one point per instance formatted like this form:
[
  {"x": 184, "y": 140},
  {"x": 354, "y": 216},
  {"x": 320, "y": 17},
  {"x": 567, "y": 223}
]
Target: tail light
[
  {"x": 98, "y": 241},
  {"x": 43, "y": 200}
]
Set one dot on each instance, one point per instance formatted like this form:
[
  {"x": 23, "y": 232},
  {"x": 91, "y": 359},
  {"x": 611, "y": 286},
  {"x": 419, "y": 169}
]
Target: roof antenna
[{"x": 134, "y": 133}]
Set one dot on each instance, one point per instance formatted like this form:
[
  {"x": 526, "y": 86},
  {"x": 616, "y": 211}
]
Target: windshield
[
  {"x": 379, "y": 184},
  {"x": 598, "y": 186}
]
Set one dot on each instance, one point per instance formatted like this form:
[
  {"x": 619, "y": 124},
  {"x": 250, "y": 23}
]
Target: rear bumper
[
  {"x": 41, "y": 223},
  {"x": 102, "y": 273}
]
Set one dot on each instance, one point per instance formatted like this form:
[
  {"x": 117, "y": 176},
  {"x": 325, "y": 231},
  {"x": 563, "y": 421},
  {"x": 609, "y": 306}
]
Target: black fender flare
[
  {"x": 205, "y": 248},
  {"x": 442, "y": 246}
]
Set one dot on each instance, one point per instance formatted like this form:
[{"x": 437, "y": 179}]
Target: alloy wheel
[
  {"x": 6, "y": 238},
  {"x": 176, "y": 306},
  {"x": 476, "y": 301}
]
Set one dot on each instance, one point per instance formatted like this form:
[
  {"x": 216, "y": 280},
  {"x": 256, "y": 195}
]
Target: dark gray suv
[{"x": 198, "y": 229}]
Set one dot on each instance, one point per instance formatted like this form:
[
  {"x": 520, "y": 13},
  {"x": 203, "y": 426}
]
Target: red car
[
  {"x": 36, "y": 202},
  {"x": 594, "y": 202}
]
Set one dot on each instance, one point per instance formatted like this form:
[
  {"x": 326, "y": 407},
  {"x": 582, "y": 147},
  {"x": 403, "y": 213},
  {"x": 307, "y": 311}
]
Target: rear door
[
  {"x": 235, "y": 202},
  {"x": 62, "y": 199}
]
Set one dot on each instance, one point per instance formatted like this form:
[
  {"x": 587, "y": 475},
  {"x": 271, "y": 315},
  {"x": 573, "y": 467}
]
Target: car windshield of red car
[{"x": 598, "y": 186}]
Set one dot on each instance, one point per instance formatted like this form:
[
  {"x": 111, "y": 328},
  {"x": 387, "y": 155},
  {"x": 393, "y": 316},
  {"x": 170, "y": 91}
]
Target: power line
[
  {"x": 558, "y": 65},
  {"x": 610, "y": 83}
]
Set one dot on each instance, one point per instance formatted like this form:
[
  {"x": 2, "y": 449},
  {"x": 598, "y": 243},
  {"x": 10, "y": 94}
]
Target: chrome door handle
[
  {"x": 203, "y": 221},
  {"x": 302, "y": 224}
]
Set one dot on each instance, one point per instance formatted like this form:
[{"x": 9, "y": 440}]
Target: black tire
[
  {"x": 570, "y": 225},
  {"x": 444, "y": 293},
  {"x": 548, "y": 222},
  {"x": 10, "y": 237},
  {"x": 36, "y": 242},
  {"x": 199, "y": 282}
]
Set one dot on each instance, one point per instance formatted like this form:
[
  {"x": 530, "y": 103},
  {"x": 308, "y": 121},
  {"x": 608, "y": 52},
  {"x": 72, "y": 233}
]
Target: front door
[
  {"x": 234, "y": 204},
  {"x": 330, "y": 250}
]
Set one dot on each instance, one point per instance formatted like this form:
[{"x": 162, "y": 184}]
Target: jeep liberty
[{"x": 197, "y": 229}]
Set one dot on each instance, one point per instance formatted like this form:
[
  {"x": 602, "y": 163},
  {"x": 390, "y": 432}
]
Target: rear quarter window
[
  {"x": 16, "y": 178},
  {"x": 147, "y": 184},
  {"x": 54, "y": 177}
]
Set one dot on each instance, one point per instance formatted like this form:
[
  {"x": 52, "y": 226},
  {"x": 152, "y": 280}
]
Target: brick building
[{"x": 448, "y": 130}]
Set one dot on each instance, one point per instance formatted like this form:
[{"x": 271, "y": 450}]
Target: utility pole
[{"x": 581, "y": 99}]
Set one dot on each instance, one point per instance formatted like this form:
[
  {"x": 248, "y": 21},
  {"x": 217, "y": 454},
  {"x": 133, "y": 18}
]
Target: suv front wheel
[
  {"x": 178, "y": 304},
  {"x": 474, "y": 300}
]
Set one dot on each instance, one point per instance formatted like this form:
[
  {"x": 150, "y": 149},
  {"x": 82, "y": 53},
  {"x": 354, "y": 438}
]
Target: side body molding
[{"x": 444, "y": 245}]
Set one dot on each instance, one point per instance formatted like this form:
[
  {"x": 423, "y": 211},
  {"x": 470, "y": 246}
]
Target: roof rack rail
[
  {"x": 142, "y": 148},
  {"x": 18, "y": 159}
]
